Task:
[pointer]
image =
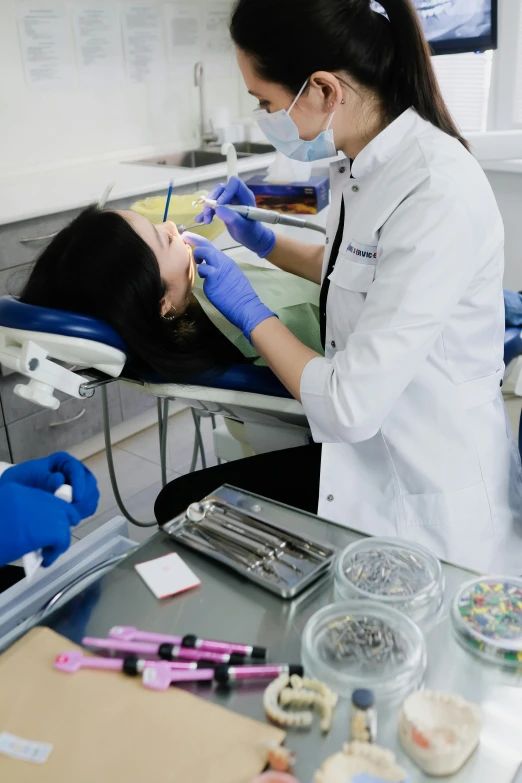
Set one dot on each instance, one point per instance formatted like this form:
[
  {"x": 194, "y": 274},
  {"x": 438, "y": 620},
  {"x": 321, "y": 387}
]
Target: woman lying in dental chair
[{"x": 141, "y": 279}]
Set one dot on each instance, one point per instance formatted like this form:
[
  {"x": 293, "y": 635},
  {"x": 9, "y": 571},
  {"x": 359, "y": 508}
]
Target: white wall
[
  {"x": 506, "y": 61},
  {"x": 508, "y": 192},
  {"x": 48, "y": 129}
]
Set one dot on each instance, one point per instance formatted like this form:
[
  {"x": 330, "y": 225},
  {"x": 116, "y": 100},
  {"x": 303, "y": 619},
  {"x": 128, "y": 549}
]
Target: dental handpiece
[{"x": 263, "y": 215}]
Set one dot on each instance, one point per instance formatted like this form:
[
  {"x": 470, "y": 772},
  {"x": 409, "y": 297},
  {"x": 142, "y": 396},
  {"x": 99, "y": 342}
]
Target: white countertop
[
  {"x": 43, "y": 193},
  {"x": 507, "y": 166},
  {"x": 48, "y": 192}
]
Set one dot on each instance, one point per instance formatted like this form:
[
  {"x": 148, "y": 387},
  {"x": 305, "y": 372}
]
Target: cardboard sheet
[{"x": 107, "y": 727}]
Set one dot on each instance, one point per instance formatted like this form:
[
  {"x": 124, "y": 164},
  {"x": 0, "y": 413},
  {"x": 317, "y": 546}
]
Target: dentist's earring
[
  {"x": 170, "y": 317},
  {"x": 343, "y": 102}
]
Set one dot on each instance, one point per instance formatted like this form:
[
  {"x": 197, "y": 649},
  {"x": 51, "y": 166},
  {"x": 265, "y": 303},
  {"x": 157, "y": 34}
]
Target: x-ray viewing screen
[{"x": 453, "y": 26}]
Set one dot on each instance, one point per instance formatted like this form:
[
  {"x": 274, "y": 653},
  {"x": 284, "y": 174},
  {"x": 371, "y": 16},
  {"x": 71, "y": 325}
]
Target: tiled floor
[{"x": 137, "y": 465}]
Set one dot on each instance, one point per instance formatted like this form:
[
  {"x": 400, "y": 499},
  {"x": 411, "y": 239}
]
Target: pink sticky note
[{"x": 167, "y": 575}]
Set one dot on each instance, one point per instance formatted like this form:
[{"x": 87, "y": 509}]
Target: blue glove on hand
[
  {"x": 51, "y": 472},
  {"x": 32, "y": 519},
  {"x": 227, "y": 287},
  {"x": 254, "y": 235}
]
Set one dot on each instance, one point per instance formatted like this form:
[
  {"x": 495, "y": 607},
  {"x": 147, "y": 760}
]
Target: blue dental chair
[{"x": 42, "y": 344}]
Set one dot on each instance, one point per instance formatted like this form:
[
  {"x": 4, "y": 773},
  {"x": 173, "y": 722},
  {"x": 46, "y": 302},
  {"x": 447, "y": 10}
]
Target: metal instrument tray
[{"x": 232, "y": 527}]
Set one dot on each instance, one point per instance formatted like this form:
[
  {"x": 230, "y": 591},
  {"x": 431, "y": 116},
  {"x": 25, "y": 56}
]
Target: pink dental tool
[
  {"x": 159, "y": 676},
  {"x": 166, "y": 652},
  {"x": 130, "y": 634},
  {"x": 74, "y": 660},
  {"x": 225, "y": 674}
]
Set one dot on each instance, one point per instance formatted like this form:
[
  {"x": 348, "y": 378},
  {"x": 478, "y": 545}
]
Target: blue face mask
[{"x": 281, "y": 131}]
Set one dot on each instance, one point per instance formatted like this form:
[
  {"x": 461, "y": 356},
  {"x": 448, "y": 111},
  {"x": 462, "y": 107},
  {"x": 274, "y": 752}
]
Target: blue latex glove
[
  {"x": 227, "y": 287},
  {"x": 254, "y": 235},
  {"x": 32, "y": 519},
  {"x": 51, "y": 472}
]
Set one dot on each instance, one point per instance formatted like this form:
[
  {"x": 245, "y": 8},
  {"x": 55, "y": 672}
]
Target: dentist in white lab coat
[{"x": 406, "y": 403}]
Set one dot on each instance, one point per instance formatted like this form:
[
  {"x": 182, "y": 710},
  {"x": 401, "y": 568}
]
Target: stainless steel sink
[
  {"x": 253, "y": 148},
  {"x": 194, "y": 159}
]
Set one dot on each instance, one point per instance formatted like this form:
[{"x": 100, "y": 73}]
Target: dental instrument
[
  {"x": 262, "y": 215},
  {"x": 224, "y": 674},
  {"x": 105, "y": 195},
  {"x": 167, "y": 203},
  {"x": 166, "y": 652},
  {"x": 72, "y": 661},
  {"x": 251, "y": 544},
  {"x": 159, "y": 677},
  {"x": 131, "y": 634}
]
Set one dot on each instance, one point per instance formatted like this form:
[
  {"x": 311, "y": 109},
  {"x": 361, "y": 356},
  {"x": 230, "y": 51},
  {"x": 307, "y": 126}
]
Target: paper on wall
[
  {"x": 217, "y": 39},
  {"x": 218, "y": 49},
  {"x": 184, "y": 24},
  {"x": 143, "y": 43},
  {"x": 99, "y": 51},
  {"x": 46, "y": 45}
]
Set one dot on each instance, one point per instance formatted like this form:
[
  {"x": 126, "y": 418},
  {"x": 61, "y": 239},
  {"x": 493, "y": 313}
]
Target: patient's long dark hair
[{"x": 99, "y": 266}]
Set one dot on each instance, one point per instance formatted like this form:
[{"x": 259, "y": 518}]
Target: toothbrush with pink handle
[
  {"x": 164, "y": 651},
  {"x": 74, "y": 660},
  {"x": 130, "y": 634},
  {"x": 159, "y": 676}
]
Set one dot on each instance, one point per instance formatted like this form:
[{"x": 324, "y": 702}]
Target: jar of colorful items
[{"x": 487, "y": 619}]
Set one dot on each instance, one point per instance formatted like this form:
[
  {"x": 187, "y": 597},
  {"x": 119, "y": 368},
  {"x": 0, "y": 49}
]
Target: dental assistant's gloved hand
[
  {"x": 49, "y": 473},
  {"x": 227, "y": 287},
  {"x": 254, "y": 235},
  {"x": 32, "y": 519}
]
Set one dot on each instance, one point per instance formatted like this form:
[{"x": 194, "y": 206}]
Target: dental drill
[{"x": 262, "y": 215}]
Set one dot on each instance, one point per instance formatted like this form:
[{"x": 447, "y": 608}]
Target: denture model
[{"x": 439, "y": 731}]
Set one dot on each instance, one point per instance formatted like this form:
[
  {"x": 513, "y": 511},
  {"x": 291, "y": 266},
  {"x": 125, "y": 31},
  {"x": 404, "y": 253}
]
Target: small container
[
  {"x": 487, "y": 619},
  {"x": 181, "y": 211},
  {"x": 363, "y": 723},
  {"x": 361, "y": 644},
  {"x": 393, "y": 572}
]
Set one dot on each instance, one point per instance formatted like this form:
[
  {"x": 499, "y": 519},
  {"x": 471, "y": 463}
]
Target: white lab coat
[{"x": 407, "y": 400}]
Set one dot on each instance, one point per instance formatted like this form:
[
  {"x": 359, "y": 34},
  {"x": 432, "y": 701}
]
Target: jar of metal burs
[
  {"x": 363, "y": 723},
  {"x": 393, "y": 572},
  {"x": 361, "y": 644}
]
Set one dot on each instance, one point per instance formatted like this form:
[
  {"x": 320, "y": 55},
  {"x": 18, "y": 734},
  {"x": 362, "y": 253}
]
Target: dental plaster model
[
  {"x": 304, "y": 692},
  {"x": 360, "y": 758},
  {"x": 439, "y": 731}
]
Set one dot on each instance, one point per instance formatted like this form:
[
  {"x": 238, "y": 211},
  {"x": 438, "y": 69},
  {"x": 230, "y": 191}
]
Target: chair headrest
[
  {"x": 241, "y": 377},
  {"x": 17, "y": 315}
]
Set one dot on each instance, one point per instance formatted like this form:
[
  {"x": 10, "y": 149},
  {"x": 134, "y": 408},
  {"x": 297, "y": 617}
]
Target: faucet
[{"x": 207, "y": 134}]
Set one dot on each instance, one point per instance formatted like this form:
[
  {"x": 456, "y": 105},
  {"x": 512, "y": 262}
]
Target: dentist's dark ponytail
[
  {"x": 412, "y": 79},
  {"x": 289, "y": 40}
]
